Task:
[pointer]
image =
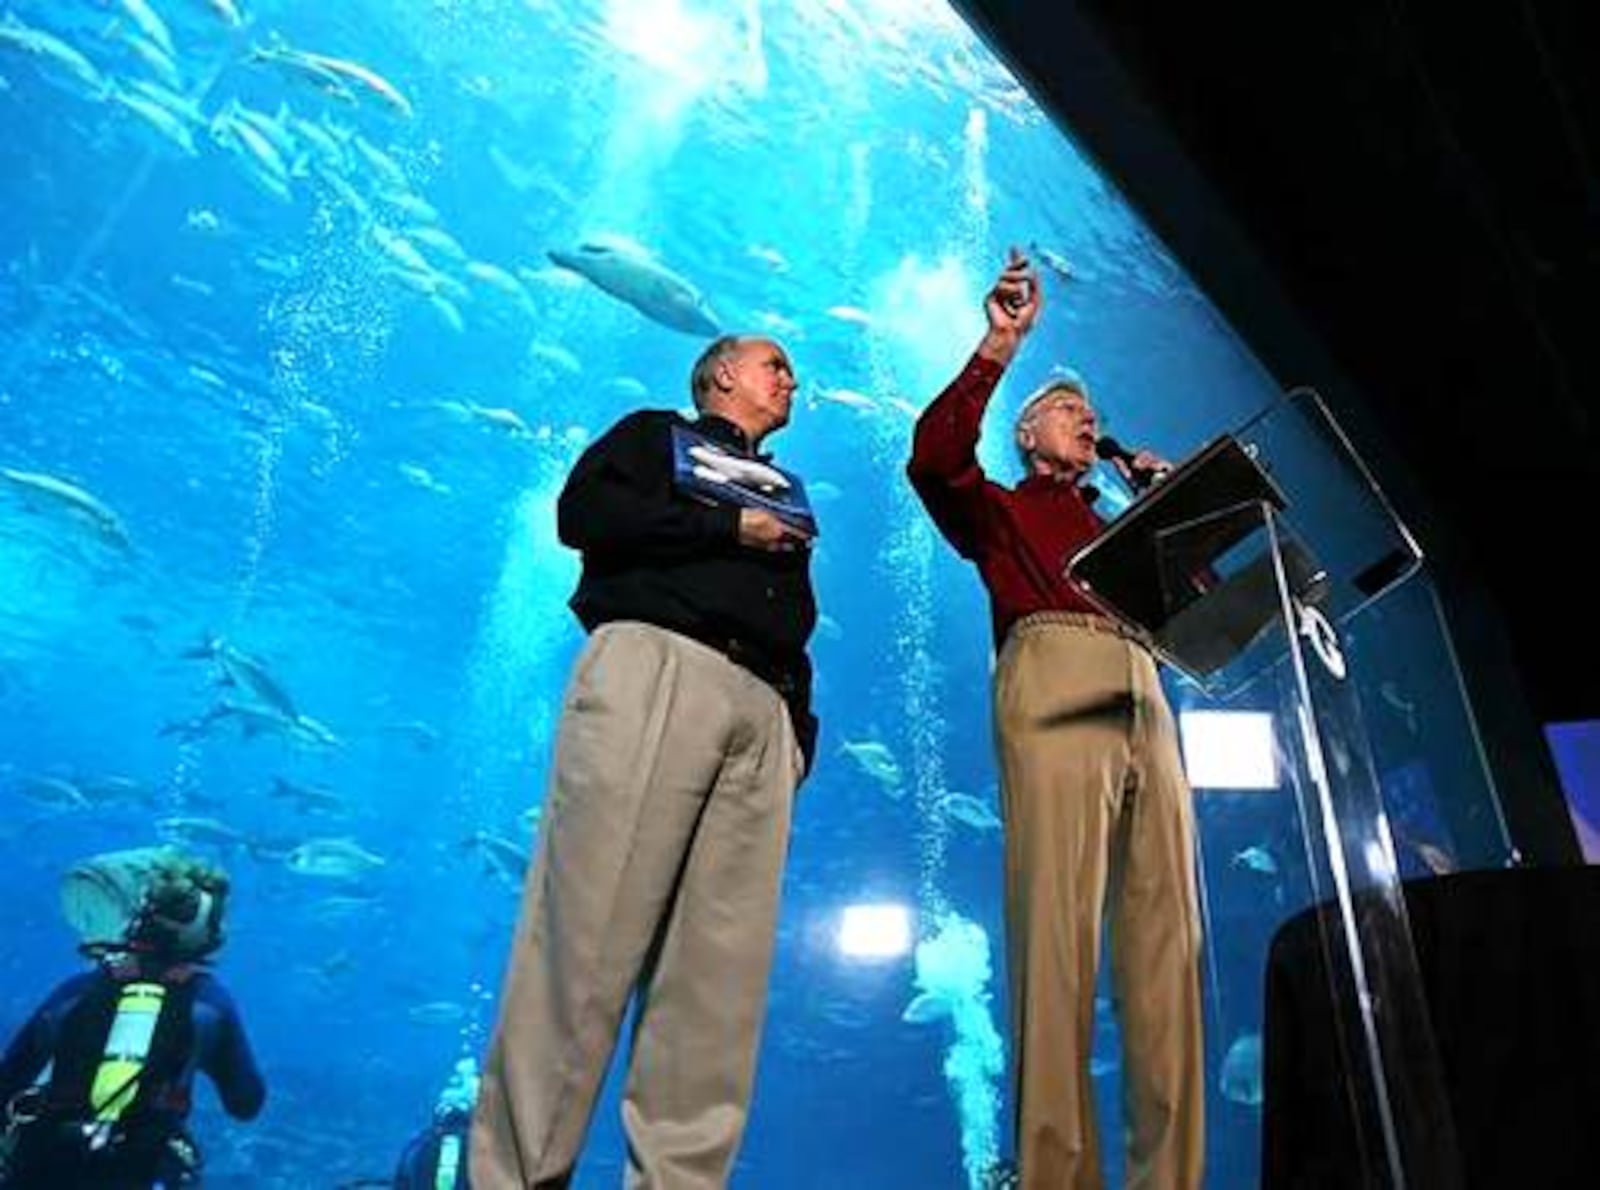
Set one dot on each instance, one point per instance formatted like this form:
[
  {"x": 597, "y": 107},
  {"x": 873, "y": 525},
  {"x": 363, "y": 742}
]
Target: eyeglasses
[{"x": 1065, "y": 403}]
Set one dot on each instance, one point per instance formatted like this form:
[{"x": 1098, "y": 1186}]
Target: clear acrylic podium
[{"x": 1215, "y": 569}]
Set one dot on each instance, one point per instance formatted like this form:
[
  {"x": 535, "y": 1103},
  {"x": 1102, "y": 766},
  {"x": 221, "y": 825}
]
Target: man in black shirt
[{"x": 686, "y": 728}]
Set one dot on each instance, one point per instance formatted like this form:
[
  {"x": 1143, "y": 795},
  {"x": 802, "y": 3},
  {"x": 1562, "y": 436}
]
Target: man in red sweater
[{"x": 1097, "y": 809}]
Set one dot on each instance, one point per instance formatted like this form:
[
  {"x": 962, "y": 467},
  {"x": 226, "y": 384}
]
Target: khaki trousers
[
  {"x": 658, "y": 867},
  {"x": 1098, "y": 826}
]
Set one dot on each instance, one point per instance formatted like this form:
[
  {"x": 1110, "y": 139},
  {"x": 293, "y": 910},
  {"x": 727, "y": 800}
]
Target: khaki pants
[
  {"x": 660, "y": 857},
  {"x": 1098, "y": 826}
]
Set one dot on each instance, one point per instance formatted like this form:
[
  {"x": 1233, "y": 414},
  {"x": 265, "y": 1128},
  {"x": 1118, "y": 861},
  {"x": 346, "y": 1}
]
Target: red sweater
[{"x": 1021, "y": 538}]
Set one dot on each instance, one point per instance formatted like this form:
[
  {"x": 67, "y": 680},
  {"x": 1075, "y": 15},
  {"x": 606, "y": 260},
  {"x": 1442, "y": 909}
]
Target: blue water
[{"x": 332, "y": 437}]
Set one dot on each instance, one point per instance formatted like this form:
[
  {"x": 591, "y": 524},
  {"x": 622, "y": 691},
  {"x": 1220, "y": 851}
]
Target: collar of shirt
[
  {"x": 1037, "y": 482},
  {"x": 724, "y": 431}
]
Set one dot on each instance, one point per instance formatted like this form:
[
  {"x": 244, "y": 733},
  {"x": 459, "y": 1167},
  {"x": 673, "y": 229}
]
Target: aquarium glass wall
[{"x": 301, "y": 327}]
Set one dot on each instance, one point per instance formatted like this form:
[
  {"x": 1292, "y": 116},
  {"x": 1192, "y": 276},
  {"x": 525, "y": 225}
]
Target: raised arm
[
  {"x": 618, "y": 501},
  {"x": 944, "y": 467}
]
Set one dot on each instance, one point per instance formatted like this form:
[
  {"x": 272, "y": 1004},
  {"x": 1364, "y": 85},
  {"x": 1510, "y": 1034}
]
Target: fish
[
  {"x": 847, "y": 397},
  {"x": 1101, "y": 1065},
  {"x": 1437, "y": 860},
  {"x": 964, "y": 808},
  {"x": 202, "y": 219},
  {"x": 197, "y": 831},
  {"x": 385, "y": 166},
  {"x": 1055, "y": 262},
  {"x": 506, "y": 420},
  {"x": 824, "y": 491},
  {"x": 276, "y": 53},
  {"x": 244, "y": 672},
  {"x": 558, "y": 359},
  {"x": 339, "y": 906},
  {"x": 43, "y": 488},
  {"x": 768, "y": 256},
  {"x": 150, "y": 25},
  {"x": 333, "y": 75},
  {"x": 778, "y": 324},
  {"x": 52, "y": 51},
  {"x": 333, "y": 859},
  {"x": 226, "y": 11},
  {"x": 307, "y": 798},
  {"x": 414, "y": 207},
  {"x": 501, "y": 857},
  {"x": 253, "y": 721},
  {"x": 877, "y": 762},
  {"x": 343, "y": 191},
  {"x": 230, "y": 129},
  {"x": 436, "y": 1012},
  {"x": 497, "y": 278},
  {"x": 192, "y": 285},
  {"x": 401, "y": 250},
  {"x": 317, "y": 137},
  {"x": 632, "y": 275},
  {"x": 114, "y": 788},
  {"x": 439, "y": 240},
  {"x": 421, "y": 477},
  {"x": 57, "y": 793},
  {"x": 275, "y": 128},
  {"x": 159, "y": 61},
  {"x": 1255, "y": 859},
  {"x": 1240, "y": 1079},
  {"x": 925, "y": 1008},
  {"x": 422, "y": 736},
  {"x": 366, "y": 77}
]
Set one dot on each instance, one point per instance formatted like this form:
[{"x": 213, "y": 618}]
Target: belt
[
  {"x": 782, "y": 678},
  {"x": 1088, "y": 621}
]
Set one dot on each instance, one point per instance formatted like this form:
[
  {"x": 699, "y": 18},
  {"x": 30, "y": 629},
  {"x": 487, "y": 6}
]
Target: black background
[{"x": 1399, "y": 205}]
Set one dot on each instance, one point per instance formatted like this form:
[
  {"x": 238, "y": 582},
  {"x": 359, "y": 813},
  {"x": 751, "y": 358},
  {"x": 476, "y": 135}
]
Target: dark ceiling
[{"x": 1422, "y": 187}]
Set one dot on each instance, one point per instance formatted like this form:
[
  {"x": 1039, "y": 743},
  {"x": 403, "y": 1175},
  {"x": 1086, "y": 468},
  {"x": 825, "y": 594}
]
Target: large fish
[
  {"x": 633, "y": 276},
  {"x": 54, "y": 56},
  {"x": 334, "y": 859},
  {"x": 47, "y": 489},
  {"x": 331, "y": 75},
  {"x": 238, "y": 669}
]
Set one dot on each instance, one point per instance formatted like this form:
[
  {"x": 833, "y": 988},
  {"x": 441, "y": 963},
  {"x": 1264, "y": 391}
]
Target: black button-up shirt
[{"x": 656, "y": 554}]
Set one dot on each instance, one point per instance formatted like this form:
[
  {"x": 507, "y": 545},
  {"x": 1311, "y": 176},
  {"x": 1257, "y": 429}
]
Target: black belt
[
  {"x": 782, "y": 678},
  {"x": 790, "y": 681}
]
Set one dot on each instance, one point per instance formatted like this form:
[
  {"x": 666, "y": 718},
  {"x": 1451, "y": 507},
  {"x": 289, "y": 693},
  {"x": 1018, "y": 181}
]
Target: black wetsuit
[{"x": 198, "y": 1030}]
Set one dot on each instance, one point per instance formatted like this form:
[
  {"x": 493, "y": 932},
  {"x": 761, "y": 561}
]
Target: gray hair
[
  {"x": 1064, "y": 382},
  {"x": 700, "y": 376}
]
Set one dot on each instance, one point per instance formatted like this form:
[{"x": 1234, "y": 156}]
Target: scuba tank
[
  {"x": 116, "y": 1078},
  {"x": 109, "y": 1110},
  {"x": 449, "y": 1164}
]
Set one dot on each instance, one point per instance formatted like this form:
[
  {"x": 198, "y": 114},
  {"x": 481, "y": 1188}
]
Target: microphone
[{"x": 1142, "y": 478}]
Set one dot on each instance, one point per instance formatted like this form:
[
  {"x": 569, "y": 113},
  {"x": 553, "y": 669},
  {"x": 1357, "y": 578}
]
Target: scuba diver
[
  {"x": 97, "y": 1085},
  {"x": 436, "y": 1159}
]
